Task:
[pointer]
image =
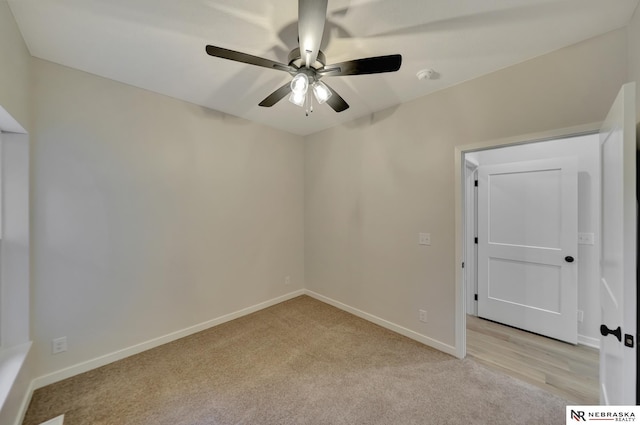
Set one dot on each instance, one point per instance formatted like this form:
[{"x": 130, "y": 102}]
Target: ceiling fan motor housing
[{"x": 295, "y": 59}]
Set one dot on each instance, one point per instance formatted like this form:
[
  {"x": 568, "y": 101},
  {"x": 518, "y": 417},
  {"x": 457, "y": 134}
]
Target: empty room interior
[{"x": 288, "y": 212}]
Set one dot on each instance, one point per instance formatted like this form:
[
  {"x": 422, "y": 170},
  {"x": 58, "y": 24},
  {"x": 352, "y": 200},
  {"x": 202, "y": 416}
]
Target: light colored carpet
[{"x": 299, "y": 362}]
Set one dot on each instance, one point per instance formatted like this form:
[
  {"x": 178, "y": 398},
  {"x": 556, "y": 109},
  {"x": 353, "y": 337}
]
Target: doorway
[
  {"x": 568, "y": 370},
  {"x": 618, "y": 251},
  {"x": 583, "y": 250}
]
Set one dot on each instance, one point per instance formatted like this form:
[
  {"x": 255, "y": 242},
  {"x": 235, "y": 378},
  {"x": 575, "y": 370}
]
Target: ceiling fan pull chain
[{"x": 308, "y": 107}]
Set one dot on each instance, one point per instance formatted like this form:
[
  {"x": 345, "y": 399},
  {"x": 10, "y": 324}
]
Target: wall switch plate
[
  {"x": 586, "y": 238},
  {"x": 59, "y": 345},
  {"x": 580, "y": 316},
  {"x": 422, "y": 315},
  {"x": 424, "y": 238}
]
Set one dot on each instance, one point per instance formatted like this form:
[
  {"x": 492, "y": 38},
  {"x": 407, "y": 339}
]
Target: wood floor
[{"x": 563, "y": 369}]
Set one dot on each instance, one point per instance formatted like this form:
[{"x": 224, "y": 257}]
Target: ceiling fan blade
[
  {"x": 220, "y": 52},
  {"x": 312, "y": 15},
  {"x": 276, "y": 96},
  {"x": 373, "y": 65},
  {"x": 336, "y": 101}
]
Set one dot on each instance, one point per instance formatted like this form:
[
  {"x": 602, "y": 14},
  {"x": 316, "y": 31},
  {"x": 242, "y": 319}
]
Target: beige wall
[
  {"x": 151, "y": 215},
  {"x": 633, "y": 36},
  {"x": 14, "y": 68},
  {"x": 372, "y": 185}
]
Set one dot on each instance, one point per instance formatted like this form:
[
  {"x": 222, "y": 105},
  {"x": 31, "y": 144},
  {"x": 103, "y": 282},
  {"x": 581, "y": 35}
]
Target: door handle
[
  {"x": 604, "y": 331},
  {"x": 568, "y": 259}
]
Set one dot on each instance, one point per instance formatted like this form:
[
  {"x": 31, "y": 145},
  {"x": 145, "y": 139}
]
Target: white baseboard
[
  {"x": 25, "y": 403},
  {"x": 12, "y": 364},
  {"x": 138, "y": 348},
  {"x": 589, "y": 342},
  {"x": 70, "y": 371},
  {"x": 76, "y": 369},
  {"x": 438, "y": 345}
]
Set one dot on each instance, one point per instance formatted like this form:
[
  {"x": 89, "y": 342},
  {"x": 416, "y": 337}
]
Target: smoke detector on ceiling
[{"x": 427, "y": 74}]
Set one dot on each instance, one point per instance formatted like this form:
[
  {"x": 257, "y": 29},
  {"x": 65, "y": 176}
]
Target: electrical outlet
[
  {"x": 287, "y": 280},
  {"x": 580, "y": 316},
  {"x": 59, "y": 345},
  {"x": 422, "y": 315},
  {"x": 424, "y": 238}
]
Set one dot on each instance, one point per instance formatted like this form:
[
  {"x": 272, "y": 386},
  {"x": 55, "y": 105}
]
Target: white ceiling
[{"x": 159, "y": 45}]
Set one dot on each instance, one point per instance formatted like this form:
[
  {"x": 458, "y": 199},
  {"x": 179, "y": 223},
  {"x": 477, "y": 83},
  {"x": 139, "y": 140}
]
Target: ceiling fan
[{"x": 307, "y": 64}]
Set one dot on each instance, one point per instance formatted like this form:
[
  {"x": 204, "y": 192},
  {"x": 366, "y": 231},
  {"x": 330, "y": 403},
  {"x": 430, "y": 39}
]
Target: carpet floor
[{"x": 299, "y": 362}]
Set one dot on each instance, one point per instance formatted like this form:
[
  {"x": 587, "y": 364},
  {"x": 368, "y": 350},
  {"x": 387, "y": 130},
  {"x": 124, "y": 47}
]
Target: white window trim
[{"x": 14, "y": 255}]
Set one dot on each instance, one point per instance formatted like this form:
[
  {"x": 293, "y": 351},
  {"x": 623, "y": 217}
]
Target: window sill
[{"x": 11, "y": 361}]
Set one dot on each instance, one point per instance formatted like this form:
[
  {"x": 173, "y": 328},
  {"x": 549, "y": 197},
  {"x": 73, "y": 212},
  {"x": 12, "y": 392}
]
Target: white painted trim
[
  {"x": 471, "y": 163},
  {"x": 438, "y": 345},
  {"x": 525, "y": 139},
  {"x": 459, "y": 235},
  {"x": 12, "y": 360},
  {"x": 147, "y": 345},
  {"x": 589, "y": 341},
  {"x": 470, "y": 231},
  {"x": 16, "y": 343},
  {"x": 25, "y": 403},
  {"x": 459, "y": 151}
]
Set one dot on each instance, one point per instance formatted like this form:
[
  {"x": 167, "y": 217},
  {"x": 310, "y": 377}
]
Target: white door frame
[
  {"x": 459, "y": 170},
  {"x": 470, "y": 271}
]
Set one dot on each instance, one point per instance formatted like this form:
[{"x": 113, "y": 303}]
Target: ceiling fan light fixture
[
  {"x": 300, "y": 84},
  {"x": 297, "y": 98},
  {"x": 321, "y": 92},
  {"x": 307, "y": 64}
]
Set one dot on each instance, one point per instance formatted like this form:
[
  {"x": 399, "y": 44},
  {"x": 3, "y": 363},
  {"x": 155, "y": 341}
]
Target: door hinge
[
  {"x": 628, "y": 340},
  {"x": 463, "y": 264},
  {"x": 475, "y": 240},
  {"x": 475, "y": 297},
  {"x": 475, "y": 183}
]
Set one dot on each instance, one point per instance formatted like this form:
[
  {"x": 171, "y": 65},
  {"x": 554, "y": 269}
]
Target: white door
[
  {"x": 528, "y": 244},
  {"x": 618, "y": 252}
]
